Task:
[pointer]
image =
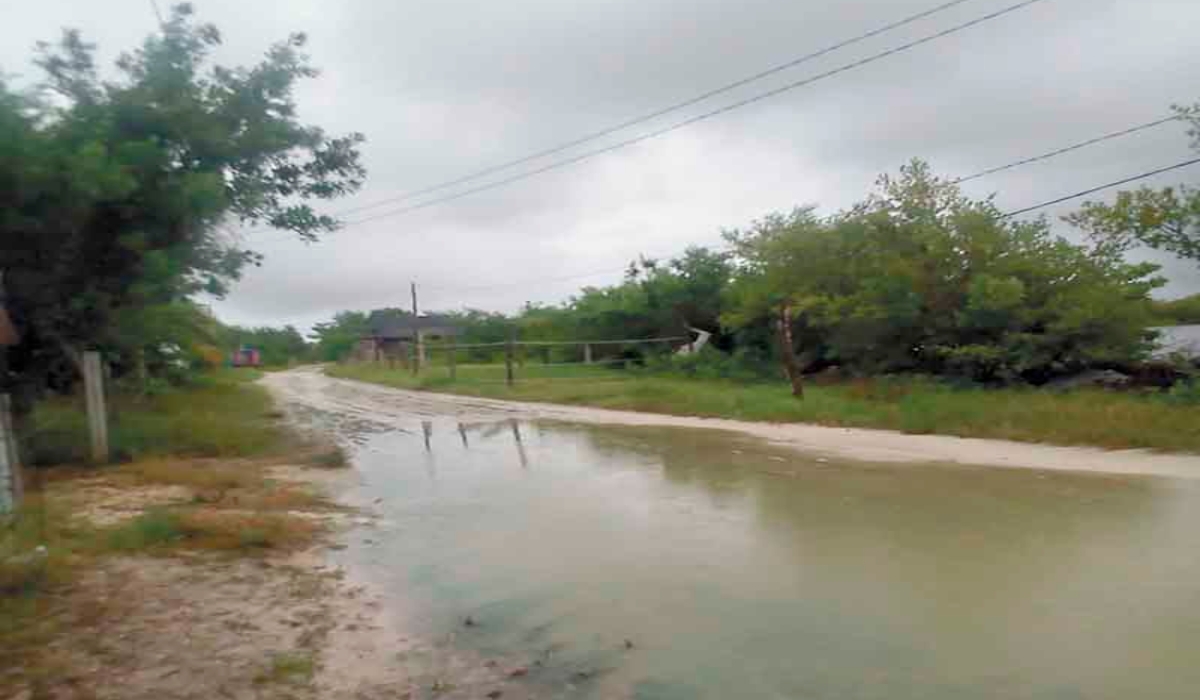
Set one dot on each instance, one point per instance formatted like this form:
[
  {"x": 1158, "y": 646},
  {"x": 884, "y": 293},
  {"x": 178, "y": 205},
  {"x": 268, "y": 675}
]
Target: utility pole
[{"x": 420, "y": 353}]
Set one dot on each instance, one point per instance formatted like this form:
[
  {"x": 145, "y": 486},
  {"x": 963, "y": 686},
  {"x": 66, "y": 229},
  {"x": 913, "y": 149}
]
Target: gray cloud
[{"x": 442, "y": 89}]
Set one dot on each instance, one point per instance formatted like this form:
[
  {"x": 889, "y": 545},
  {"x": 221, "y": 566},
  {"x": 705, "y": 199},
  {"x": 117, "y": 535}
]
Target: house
[{"x": 392, "y": 337}]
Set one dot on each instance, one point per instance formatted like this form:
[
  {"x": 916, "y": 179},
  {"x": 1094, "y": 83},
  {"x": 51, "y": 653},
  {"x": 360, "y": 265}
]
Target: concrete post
[
  {"x": 93, "y": 379},
  {"x": 10, "y": 464}
]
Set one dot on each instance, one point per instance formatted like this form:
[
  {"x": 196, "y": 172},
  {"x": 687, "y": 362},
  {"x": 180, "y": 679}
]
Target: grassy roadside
[
  {"x": 1084, "y": 417},
  {"x": 221, "y": 415},
  {"x": 196, "y": 479}
]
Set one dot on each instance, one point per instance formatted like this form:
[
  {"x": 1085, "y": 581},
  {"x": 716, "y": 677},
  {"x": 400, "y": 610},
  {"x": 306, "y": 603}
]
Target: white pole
[
  {"x": 93, "y": 379},
  {"x": 10, "y": 465}
]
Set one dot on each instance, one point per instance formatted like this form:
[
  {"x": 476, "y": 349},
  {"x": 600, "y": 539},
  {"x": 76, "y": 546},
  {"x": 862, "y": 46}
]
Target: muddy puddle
[{"x": 549, "y": 560}]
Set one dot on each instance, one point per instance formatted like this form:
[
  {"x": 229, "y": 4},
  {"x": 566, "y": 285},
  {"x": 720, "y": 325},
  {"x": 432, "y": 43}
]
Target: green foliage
[
  {"x": 744, "y": 364},
  {"x": 114, "y": 193},
  {"x": 278, "y": 346},
  {"x": 1165, "y": 219},
  {"x": 1178, "y": 312},
  {"x": 220, "y": 416},
  {"x": 918, "y": 278},
  {"x": 1185, "y": 393},
  {"x": 297, "y": 667},
  {"x": 334, "y": 340},
  {"x": 155, "y": 528}
]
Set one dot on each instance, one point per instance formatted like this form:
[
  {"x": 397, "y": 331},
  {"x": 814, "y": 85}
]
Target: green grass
[
  {"x": 221, "y": 415},
  {"x": 1085, "y": 417},
  {"x": 293, "y": 667}
]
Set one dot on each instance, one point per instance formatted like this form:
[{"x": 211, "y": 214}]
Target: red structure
[{"x": 246, "y": 357}]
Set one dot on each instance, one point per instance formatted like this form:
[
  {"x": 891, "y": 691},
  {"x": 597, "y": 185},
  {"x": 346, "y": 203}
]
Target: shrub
[{"x": 149, "y": 530}]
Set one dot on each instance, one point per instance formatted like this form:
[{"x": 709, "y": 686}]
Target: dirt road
[{"x": 347, "y": 403}]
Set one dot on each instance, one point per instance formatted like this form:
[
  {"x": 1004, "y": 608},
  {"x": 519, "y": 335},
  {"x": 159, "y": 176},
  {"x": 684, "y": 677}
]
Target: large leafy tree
[
  {"x": 920, "y": 278},
  {"x": 335, "y": 339},
  {"x": 1166, "y": 218},
  {"x": 116, "y": 194}
]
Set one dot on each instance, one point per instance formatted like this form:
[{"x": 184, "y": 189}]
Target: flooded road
[{"x": 605, "y": 562}]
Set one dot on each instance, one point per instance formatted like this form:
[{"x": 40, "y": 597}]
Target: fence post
[
  {"x": 587, "y": 353},
  {"x": 509, "y": 347},
  {"x": 93, "y": 381},
  {"x": 452, "y": 357},
  {"x": 10, "y": 463}
]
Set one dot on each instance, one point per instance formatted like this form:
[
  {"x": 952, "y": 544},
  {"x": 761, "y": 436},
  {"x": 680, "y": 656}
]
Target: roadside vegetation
[
  {"x": 213, "y": 414},
  {"x": 917, "y": 309},
  {"x": 195, "y": 478},
  {"x": 1080, "y": 417}
]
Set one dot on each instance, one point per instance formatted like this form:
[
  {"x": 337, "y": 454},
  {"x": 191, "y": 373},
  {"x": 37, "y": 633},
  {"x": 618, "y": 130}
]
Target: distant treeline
[{"x": 916, "y": 278}]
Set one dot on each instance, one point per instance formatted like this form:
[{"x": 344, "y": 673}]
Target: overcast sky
[{"x": 445, "y": 88}]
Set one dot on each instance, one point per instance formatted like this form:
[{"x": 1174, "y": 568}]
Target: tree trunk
[{"x": 787, "y": 351}]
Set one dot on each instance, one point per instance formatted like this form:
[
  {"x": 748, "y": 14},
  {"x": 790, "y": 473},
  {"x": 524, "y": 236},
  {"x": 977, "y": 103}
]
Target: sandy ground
[
  {"x": 210, "y": 625},
  {"x": 350, "y": 402}
]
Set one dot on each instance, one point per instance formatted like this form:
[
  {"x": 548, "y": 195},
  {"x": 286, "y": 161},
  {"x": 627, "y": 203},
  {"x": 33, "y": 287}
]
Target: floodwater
[{"x": 657, "y": 563}]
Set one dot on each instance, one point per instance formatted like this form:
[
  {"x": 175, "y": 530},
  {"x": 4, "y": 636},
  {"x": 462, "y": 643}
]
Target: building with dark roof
[{"x": 392, "y": 336}]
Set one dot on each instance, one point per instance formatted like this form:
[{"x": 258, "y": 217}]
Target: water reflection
[{"x": 675, "y": 564}]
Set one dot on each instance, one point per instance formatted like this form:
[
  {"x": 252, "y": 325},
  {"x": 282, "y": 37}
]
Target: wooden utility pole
[
  {"x": 93, "y": 382},
  {"x": 787, "y": 350},
  {"x": 420, "y": 343},
  {"x": 509, "y": 347}
]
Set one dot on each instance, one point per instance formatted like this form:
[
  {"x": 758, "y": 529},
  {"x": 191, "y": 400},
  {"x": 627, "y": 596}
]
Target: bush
[
  {"x": 745, "y": 365},
  {"x": 151, "y": 529},
  {"x": 1185, "y": 393}
]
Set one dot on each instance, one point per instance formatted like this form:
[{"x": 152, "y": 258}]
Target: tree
[
  {"x": 277, "y": 346},
  {"x": 335, "y": 340},
  {"x": 1185, "y": 311},
  {"x": 114, "y": 195},
  {"x": 920, "y": 278},
  {"x": 1164, "y": 219}
]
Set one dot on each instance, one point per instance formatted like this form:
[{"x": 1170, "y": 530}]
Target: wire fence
[{"x": 512, "y": 361}]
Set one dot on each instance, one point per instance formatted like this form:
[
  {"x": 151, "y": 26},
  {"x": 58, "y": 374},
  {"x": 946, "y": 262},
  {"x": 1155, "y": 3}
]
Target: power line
[
  {"x": 1011, "y": 214},
  {"x": 1042, "y": 157},
  {"x": 157, "y": 12},
  {"x": 505, "y": 285},
  {"x": 705, "y": 115},
  {"x": 663, "y": 111},
  {"x": 1068, "y": 149},
  {"x": 1101, "y": 188}
]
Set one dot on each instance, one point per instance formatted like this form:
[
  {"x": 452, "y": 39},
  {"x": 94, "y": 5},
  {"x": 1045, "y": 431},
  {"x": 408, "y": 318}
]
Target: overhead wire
[
  {"x": 1101, "y": 188},
  {"x": 663, "y": 111},
  {"x": 1069, "y": 149},
  {"x": 157, "y": 12},
  {"x": 726, "y": 88},
  {"x": 873, "y": 58},
  {"x": 1048, "y": 155}
]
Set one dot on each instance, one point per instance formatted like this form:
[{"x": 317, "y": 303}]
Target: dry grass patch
[
  {"x": 201, "y": 475},
  {"x": 229, "y": 530}
]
